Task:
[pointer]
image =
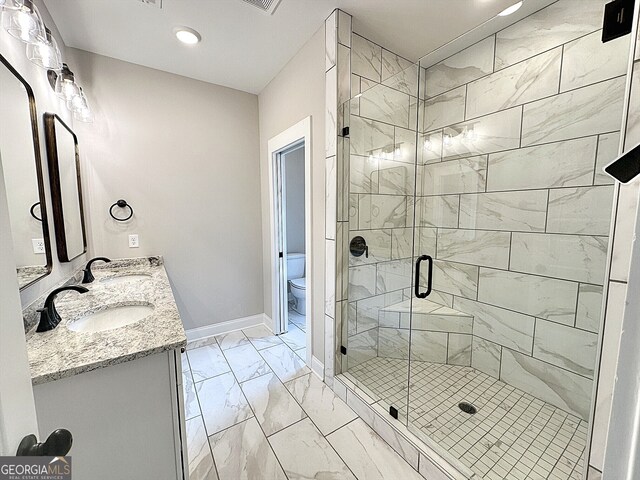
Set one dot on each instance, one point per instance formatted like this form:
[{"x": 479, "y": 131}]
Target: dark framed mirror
[
  {"x": 21, "y": 169},
  {"x": 66, "y": 188}
]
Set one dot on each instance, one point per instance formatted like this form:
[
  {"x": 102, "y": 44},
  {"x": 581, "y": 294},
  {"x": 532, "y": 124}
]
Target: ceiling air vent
[
  {"x": 152, "y": 3},
  {"x": 268, "y": 6}
]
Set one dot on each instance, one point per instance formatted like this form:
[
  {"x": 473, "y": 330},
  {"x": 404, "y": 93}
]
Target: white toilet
[{"x": 297, "y": 283}]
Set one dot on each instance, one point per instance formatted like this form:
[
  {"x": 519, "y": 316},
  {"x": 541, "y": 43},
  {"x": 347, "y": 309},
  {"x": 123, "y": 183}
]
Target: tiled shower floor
[{"x": 512, "y": 436}]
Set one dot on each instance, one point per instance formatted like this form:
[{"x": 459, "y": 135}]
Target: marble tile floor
[
  {"x": 298, "y": 320},
  {"x": 513, "y": 435},
  {"x": 254, "y": 410}
]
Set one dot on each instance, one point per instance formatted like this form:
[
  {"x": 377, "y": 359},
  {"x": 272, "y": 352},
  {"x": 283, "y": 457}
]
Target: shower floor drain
[{"x": 467, "y": 408}]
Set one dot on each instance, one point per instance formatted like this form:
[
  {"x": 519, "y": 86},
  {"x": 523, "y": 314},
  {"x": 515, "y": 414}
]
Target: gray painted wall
[
  {"x": 294, "y": 181},
  {"x": 294, "y": 94},
  {"x": 184, "y": 154}
]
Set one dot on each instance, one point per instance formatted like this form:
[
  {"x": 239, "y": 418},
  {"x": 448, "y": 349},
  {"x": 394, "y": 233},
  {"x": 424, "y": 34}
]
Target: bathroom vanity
[
  {"x": 123, "y": 333},
  {"x": 88, "y": 371}
]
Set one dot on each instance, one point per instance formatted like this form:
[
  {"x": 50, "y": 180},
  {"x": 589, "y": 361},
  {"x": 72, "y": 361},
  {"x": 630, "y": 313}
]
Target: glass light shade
[
  {"x": 9, "y": 5},
  {"x": 78, "y": 102},
  {"x": 24, "y": 22},
  {"x": 84, "y": 115},
  {"x": 66, "y": 87},
  {"x": 45, "y": 54},
  {"x": 80, "y": 108}
]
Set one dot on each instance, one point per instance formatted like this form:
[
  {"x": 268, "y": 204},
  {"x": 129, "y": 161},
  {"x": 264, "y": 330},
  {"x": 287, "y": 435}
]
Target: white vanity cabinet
[{"x": 127, "y": 420}]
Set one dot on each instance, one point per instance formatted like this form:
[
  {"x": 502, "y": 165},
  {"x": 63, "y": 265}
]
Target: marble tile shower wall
[
  {"x": 381, "y": 152},
  {"x": 512, "y": 197},
  {"x": 627, "y": 202},
  {"x": 337, "y": 92}
]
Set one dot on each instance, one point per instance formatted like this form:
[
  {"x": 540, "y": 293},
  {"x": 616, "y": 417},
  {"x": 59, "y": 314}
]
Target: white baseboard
[
  {"x": 267, "y": 321},
  {"x": 226, "y": 327},
  {"x": 317, "y": 367}
]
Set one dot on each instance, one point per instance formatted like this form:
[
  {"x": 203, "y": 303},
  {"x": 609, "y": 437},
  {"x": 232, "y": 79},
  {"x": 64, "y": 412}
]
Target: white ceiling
[{"x": 244, "y": 48}]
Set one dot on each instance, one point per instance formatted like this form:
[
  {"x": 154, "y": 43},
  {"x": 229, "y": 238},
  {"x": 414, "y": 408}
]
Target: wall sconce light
[
  {"x": 84, "y": 115},
  {"x": 65, "y": 84},
  {"x": 46, "y": 53},
  {"x": 80, "y": 108},
  {"x": 22, "y": 20},
  {"x": 77, "y": 102}
]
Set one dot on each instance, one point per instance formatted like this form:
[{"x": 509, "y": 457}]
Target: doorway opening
[{"x": 290, "y": 186}]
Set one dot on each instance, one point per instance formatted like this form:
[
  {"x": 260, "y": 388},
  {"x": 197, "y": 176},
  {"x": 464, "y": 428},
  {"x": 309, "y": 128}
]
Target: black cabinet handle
[{"x": 417, "y": 284}]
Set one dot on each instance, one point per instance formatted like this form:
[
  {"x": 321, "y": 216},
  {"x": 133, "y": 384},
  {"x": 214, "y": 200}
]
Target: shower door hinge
[
  {"x": 280, "y": 254},
  {"x": 343, "y": 350},
  {"x": 345, "y": 131},
  {"x": 393, "y": 411}
]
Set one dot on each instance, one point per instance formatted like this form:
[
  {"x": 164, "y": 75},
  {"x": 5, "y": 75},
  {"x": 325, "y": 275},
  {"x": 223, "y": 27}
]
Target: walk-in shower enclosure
[{"x": 485, "y": 168}]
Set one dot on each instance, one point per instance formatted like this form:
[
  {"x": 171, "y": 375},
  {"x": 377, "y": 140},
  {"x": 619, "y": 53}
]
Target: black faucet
[
  {"x": 88, "y": 276},
  {"x": 49, "y": 317}
]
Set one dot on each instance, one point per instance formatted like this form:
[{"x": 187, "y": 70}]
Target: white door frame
[
  {"x": 298, "y": 133},
  {"x": 280, "y": 240}
]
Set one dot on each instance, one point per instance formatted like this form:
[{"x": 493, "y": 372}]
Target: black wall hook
[{"x": 122, "y": 204}]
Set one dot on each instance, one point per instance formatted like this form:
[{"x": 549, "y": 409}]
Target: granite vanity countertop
[{"x": 61, "y": 352}]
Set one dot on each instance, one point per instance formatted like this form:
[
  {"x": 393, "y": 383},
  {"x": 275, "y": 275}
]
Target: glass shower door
[
  {"x": 483, "y": 166},
  {"x": 382, "y": 120},
  {"x": 512, "y": 206}
]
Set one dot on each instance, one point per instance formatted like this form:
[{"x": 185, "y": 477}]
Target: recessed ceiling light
[
  {"x": 509, "y": 10},
  {"x": 187, "y": 35}
]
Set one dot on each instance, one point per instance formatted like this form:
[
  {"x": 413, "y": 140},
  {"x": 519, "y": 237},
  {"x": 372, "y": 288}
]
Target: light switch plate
[
  {"x": 38, "y": 246},
  {"x": 133, "y": 241}
]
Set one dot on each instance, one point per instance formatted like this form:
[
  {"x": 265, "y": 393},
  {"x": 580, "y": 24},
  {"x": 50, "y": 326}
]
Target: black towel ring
[
  {"x": 121, "y": 204},
  {"x": 32, "y": 211}
]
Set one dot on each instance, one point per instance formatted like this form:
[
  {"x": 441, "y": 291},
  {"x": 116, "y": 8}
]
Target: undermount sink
[
  {"x": 125, "y": 278},
  {"x": 110, "y": 318}
]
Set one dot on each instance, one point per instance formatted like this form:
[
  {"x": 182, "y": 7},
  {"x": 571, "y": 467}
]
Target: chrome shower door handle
[{"x": 429, "y": 276}]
